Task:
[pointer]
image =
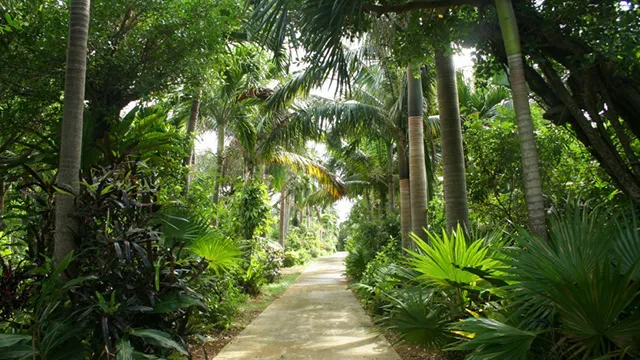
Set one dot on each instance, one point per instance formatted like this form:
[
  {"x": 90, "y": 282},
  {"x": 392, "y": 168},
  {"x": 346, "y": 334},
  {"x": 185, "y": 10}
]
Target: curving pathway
[{"x": 316, "y": 318}]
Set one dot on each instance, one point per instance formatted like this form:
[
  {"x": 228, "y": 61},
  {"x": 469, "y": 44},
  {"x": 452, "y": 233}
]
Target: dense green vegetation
[{"x": 494, "y": 211}]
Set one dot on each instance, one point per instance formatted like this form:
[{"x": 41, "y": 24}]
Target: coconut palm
[{"x": 71, "y": 138}]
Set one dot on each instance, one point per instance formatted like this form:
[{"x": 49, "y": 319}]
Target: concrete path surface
[{"x": 316, "y": 318}]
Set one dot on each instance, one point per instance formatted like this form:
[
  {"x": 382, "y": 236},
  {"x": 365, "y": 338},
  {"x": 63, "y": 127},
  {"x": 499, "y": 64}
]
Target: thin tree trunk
[
  {"x": 530, "y": 166},
  {"x": 283, "y": 216},
  {"x": 287, "y": 215},
  {"x": 405, "y": 193},
  {"x": 308, "y": 217},
  {"x": 390, "y": 183},
  {"x": 191, "y": 128},
  {"x": 219, "y": 159},
  {"x": 417, "y": 166},
  {"x": 2, "y": 202},
  {"x": 367, "y": 197},
  {"x": 456, "y": 206},
  {"x": 66, "y": 224}
]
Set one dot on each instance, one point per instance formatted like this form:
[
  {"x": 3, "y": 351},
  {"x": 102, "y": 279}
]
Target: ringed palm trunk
[
  {"x": 219, "y": 159},
  {"x": 66, "y": 224},
  {"x": 456, "y": 206},
  {"x": 417, "y": 167},
  {"x": 530, "y": 166},
  {"x": 405, "y": 192},
  {"x": 191, "y": 128}
]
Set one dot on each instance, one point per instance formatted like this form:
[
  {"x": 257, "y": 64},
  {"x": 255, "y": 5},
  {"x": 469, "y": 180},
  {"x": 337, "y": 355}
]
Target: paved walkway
[{"x": 316, "y": 318}]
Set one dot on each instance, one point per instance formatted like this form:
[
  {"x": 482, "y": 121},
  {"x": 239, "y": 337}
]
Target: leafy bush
[
  {"x": 251, "y": 210},
  {"x": 367, "y": 239},
  {"x": 292, "y": 258},
  {"x": 130, "y": 284},
  {"x": 579, "y": 290},
  {"x": 221, "y": 305},
  {"x": 382, "y": 276}
]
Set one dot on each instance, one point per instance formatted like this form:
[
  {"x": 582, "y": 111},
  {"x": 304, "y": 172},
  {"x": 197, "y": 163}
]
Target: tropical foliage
[{"x": 160, "y": 161}]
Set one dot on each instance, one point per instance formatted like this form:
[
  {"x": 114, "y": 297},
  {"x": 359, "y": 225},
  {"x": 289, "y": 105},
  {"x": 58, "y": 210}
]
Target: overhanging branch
[{"x": 417, "y": 5}]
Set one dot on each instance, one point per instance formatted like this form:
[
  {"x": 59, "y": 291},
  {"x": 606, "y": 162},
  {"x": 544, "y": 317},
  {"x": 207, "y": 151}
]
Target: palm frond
[
  {"x": 221, "y": 252},
  {"x": 332, "y": 184},
  {"x": 494, "y": 340}
]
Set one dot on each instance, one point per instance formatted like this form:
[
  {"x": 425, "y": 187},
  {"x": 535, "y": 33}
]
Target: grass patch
[{"x": 269, "y": 293}]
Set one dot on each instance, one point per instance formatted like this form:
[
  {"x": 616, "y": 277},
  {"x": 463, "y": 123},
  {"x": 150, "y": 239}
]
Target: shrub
[
  {"x": 579, "y": 291},
  {"x": 368, "y": 238},
  {"x": 130, "y": 289}
]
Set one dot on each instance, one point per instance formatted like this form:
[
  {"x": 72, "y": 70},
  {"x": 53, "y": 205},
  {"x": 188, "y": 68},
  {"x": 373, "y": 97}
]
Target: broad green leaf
[
  {"x": 159, "y": 338},
  {"x": 7, "y": 340},
  {"x": 173, "y": 302},
  {"x": 124, "y": 350}
]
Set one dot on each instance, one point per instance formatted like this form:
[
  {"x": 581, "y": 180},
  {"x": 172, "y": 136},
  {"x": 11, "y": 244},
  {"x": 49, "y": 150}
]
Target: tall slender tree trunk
[
  {"x": 456, "y": 206},
  {"x": 191, "y": 129},
  {"x": 219, "y": 159},
  {"x": 405, "y": 192},
  {"x": 283, "y": 216},
  {"x": 390, "y": 183},
  {"x": 417, "y": 166},
  {"x": 367, "y": 198},
  {"x": 2, "y": 203},
  {"x": 530, "y": 166},
  {"x": 287, "y": 215},
  {"x": 66, "y": 224},
  {"x": 308, "y": 217}
]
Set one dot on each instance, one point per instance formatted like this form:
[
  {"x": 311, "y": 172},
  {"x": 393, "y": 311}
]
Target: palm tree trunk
[
  {"x": 417, "y": 167},
  {"x": 530, "y": 166},
  {"x": 405, "y": 192},
  {"x": 456, "y": 206},
  {"x": 219, "y": 159},
  {"x": 390, "y": 184},
  {"x": 191, "y": 128},
  {"x": 66, "y": 224},
  {"x": 283, "y": 216}
]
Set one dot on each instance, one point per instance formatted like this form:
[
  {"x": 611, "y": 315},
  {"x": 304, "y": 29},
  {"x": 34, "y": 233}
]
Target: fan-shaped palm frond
[
  {"x": 221, "y": 252},
  {"x": 450, "y": 261},
  {"x": 494, "y": 340},
  {"x": 418, "y": 319},
  {"x": 575, "y": 275}
]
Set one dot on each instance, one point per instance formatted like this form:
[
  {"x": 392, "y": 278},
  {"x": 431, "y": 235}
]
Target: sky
[{"x": 207, "y": 141}]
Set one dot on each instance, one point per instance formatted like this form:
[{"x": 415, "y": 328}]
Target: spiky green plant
[
  {"x": 495, "y": 340},
  {"x": 450, "y": 261},
  {"x": 578, "y": 289},
  {"x": 418, "y": 318}
]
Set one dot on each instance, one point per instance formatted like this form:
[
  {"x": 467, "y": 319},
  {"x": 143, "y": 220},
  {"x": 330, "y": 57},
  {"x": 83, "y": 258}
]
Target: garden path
[{"x": 316, "y": 318}]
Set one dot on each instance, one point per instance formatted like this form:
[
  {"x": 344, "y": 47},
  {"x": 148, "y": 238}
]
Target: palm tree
[
  {"x": 453, "y": 168},
  {"x": 71, "y": 138},
  {"x": 417, "y": 167},
  {"x": 530, "y": 166}
]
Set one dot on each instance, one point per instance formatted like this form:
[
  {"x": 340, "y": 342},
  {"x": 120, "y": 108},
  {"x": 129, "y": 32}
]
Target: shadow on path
[{"x": 316, "y": 318}]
